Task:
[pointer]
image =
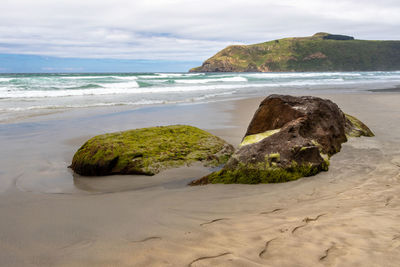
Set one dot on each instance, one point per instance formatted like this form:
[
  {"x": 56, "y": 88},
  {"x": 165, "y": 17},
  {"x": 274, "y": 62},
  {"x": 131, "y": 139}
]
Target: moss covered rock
[
  {"x": 288, "y": 138},
  {"x": 149, "y": 150},
  {"x": 355, "y": 128}
]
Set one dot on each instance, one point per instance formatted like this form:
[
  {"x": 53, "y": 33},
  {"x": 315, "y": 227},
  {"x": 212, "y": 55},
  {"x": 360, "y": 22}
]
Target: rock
[
  {"x": 338, "y": 37},
  {"x": 288, "y": 138},
  {"x": 317, "y": 55},
  {"x": 149, "y": 150},
  {"x": 355, "y": 128}
]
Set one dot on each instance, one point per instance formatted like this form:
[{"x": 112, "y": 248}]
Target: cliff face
[{"x": 320, "y": 52}]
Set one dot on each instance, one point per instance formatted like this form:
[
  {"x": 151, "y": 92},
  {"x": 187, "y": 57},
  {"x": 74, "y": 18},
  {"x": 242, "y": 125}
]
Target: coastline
[
  {"x": 54, "y": 219},
  {"x": 37, "y": 97}
]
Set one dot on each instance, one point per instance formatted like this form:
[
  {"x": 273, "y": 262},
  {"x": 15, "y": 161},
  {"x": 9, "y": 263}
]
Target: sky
[{"x": 169, "y": 35}]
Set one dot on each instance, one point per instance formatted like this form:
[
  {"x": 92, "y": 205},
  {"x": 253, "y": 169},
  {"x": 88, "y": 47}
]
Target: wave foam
[
  {"x": 109, "y": 90},
  {"x": 202, "y": 81},
  {"x": 83, "y": 77},
  {"x": 169, "y": 75},
  {"x": 300, "y": 75},
  {"x": 58, "y": 86},
  {"x": 133, "y": 88},
  {"x": 129, "y": 78},
  {"x": 38, "y": 107}
]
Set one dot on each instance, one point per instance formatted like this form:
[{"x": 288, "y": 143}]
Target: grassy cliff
[{"x": 320, "y": 52}]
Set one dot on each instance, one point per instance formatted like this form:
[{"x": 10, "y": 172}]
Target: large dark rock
[
  {"x": 149, "y": 150},
  {"x": 288, "y": 138}
]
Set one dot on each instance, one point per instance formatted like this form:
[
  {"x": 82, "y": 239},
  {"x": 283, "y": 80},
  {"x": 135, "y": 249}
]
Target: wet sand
[
  {"x": 387, "y": 90},
  {"x": 347, "y": 216}
]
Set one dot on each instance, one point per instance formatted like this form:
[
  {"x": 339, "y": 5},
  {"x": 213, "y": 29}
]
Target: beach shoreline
[
  {"x": 343, "y": 217},
  {"x": 36, "y": 97}
]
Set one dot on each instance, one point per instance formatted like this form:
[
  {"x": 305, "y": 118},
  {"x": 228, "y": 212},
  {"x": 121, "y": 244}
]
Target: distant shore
[{"x": 346, "y": 216}]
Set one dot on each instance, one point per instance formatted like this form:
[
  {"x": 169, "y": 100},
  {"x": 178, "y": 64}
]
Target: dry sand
[{"x": 348, "y": 216}]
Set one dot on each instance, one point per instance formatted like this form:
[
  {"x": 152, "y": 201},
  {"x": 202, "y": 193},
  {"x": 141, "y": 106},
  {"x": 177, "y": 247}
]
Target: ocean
[{"x": 34, "y": 94}]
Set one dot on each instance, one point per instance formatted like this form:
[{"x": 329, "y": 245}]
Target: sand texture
[{"x": 348, "y": 216}]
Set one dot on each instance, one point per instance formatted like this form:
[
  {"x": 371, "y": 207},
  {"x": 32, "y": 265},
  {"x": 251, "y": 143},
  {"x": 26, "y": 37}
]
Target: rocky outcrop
[
  {"x": 288, "y": 138},
  {"x": 337, "y": 37},
  {"x": 147, "y": 151},
  {"x": 320, "y": 52},
  {"x": 317, "y": 55}
]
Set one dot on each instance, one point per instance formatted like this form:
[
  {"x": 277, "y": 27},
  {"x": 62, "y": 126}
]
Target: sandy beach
[{"x": 348, "y": 216}]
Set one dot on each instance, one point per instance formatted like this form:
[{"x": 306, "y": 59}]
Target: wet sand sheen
[{"x": 347, "y": 216}]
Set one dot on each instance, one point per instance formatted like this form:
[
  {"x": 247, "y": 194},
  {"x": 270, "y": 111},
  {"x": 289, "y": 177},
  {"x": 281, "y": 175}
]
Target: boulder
[
  {"x": 147, "y": 151},
  {"x": 288, "y": 138}
]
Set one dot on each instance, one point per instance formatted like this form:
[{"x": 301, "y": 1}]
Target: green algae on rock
[
  {"x": 355, "y": 128},
  {"x": 147, "y": 151},
  {"x": 288, "y": 138},
  {"x": 262, "y": 173},
  {"x": 254, "y": 138}
]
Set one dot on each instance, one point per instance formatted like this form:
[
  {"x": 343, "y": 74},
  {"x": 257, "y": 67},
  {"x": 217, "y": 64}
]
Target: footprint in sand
[
  {"x": 213, "y": 221},
  {"x": 78, "y": 245},
  {"x": 263, "y": 253},
  {"x": 145, "y": 239},
  {"x": 271, "y": 211},
  {"x": 306, "y": 221},
  {"x": 395, "y": 242},
  {"x": 208, "y": 257},
  {"x": 331, "y": 255}
]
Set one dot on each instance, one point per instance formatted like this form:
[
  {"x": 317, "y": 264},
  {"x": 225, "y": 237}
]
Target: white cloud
[{"x": 178, "y": 29}]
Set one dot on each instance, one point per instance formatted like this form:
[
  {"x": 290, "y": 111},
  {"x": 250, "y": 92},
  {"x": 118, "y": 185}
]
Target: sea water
[{"x": 40, "y": 93}]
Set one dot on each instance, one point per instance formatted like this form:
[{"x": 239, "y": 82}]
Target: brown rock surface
[{"x": 288, "y": 138}]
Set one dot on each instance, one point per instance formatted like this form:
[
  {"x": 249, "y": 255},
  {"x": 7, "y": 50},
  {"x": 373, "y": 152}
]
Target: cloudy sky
[{"x": 176, "y": 30}]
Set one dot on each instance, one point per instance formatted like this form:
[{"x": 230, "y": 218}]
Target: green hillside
[{"x": 320, "y": 52}]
